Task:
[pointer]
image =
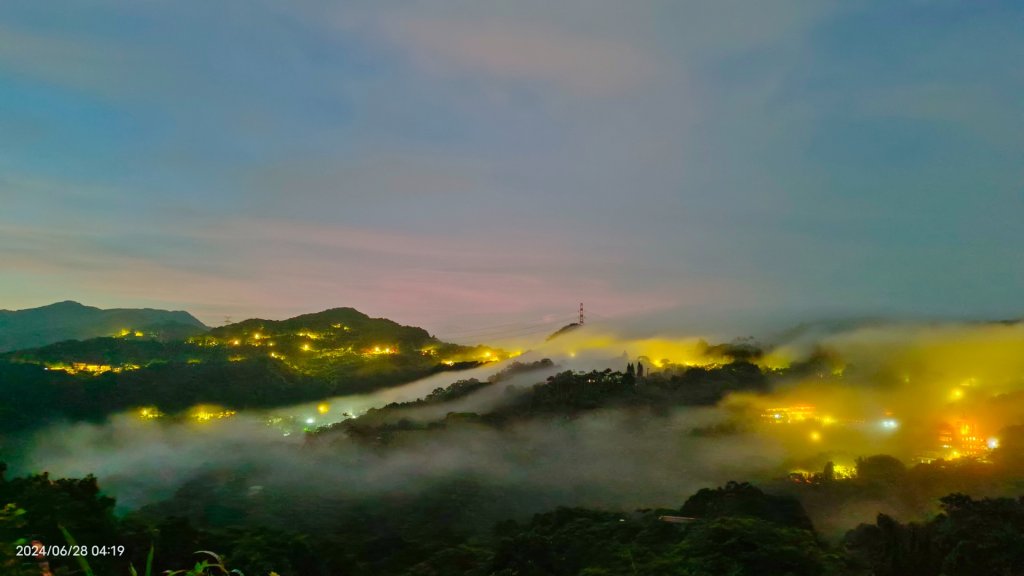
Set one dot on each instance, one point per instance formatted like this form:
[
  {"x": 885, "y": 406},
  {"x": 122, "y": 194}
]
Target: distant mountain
[{"x": 68, "y": 320}]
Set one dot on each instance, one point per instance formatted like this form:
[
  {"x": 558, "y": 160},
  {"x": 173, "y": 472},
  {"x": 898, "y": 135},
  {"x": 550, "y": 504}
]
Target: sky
[{"x": 456, "y": 164}]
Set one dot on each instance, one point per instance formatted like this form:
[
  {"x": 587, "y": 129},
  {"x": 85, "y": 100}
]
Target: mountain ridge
[
  {"x": 70, "y": 320},
  {"x": 254, "y": 363}
]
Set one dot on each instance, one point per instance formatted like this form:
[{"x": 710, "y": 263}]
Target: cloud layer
[{"x": 455, "y": 163}]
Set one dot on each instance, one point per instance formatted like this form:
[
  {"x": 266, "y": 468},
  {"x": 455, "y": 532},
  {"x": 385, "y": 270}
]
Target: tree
[
  {"x": 741, "y": 546},
  {"x": 740, "y": 499},
  {"x": 881, "y": 468}
]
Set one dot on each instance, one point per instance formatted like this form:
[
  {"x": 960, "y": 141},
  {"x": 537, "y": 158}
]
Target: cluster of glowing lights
[
  {"x": 255, "y": 340},
  {"x": 208, "y": 413},
  {"x": 382, "y": 351},
  {"x": 94, "y": 369},
  {"x": 807, "y": 415},
  {"x": 478, "y": 356},
  {"x": 791, "y": 414},
  {"x": 150, "y": 413},
  {"x": 843, "y": 471},
  {"x": 90, "y": 368},
  {"x": 125, "y": 332}
]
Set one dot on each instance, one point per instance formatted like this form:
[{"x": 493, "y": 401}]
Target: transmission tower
[{"x": 582, "y": 317}]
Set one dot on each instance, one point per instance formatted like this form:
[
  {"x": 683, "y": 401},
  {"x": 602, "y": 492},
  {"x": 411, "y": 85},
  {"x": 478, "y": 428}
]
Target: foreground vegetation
[{"x": 736, "y": 529}]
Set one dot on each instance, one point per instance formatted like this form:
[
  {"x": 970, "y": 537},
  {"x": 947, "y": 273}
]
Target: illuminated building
[{"x": 963, "y": 439}]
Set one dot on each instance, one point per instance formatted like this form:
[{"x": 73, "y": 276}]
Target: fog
[
  {"x": 916, "y": 377},
  {"x": 605, "y": 459},
  {"x": 882, "y": 388}
]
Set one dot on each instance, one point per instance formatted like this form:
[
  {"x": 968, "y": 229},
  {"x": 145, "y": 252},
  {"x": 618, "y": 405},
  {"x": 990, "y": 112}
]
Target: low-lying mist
[
  {"x": 834, "y": 397},
  {"x": 604, "y": 458}
]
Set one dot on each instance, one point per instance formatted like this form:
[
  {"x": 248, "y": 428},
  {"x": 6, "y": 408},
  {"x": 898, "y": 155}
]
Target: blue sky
[{"x": 458, "y": 163}]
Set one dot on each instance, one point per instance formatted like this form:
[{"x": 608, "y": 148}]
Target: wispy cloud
[
  {"x": 528, "y": 52},
  {"x": 88, "y": 64},
  {"x": 483, "y": 159}
]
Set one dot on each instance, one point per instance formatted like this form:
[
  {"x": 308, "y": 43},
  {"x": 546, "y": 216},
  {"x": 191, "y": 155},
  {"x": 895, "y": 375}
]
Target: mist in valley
[{"x": 877, "y": 389}]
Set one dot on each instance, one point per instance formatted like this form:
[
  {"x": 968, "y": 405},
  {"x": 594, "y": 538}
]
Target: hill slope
[
  {"x": 248, "y": 364},
  {"x": 70, "y": 320}
]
